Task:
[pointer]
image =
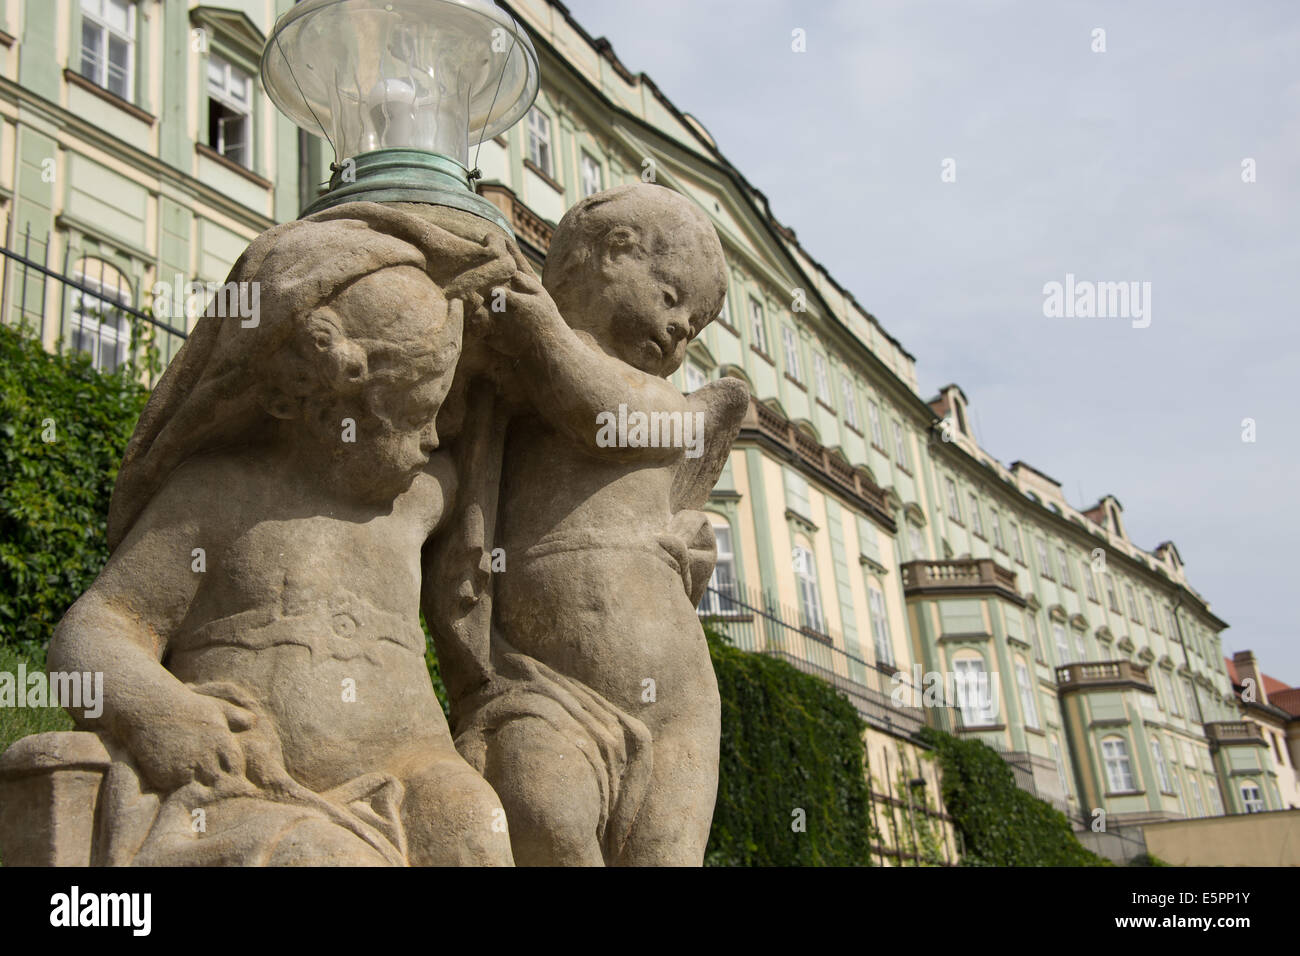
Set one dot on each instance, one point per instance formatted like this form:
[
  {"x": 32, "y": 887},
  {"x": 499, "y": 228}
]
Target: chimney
[{"x": 1247, "y": 666}]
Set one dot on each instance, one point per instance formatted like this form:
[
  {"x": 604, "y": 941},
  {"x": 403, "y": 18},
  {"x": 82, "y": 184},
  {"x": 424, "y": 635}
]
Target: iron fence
[
  {"x": 754, "y": 622},
  {"x": 94, "y": 313}
]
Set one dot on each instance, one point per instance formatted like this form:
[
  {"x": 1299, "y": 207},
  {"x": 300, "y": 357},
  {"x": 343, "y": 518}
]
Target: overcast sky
[{"x": 1123, "y": 165}]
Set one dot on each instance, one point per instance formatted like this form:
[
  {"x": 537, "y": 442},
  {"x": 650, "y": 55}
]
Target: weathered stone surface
[{"x": 412, "y": 421}]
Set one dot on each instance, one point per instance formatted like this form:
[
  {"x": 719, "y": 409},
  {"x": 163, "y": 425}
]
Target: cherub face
[
  {"x": 647, "y": 304},
  {"x": 398, "y": 324}
]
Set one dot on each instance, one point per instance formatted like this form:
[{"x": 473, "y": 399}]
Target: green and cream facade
[{"x": 857, "y": 513}]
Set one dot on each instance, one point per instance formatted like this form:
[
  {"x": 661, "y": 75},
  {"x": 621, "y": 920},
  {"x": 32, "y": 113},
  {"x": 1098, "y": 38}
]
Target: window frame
[
  {"x": 1118, "y": 765},
  {"x": 790, "y": 349},
  {"x": 584, "y": 157},
  {"x": 538, "y": 141},
  {"x": 758, "y": 326},
  {"x": 224, "y": 96},
  {"x": 98, "y": 20}
]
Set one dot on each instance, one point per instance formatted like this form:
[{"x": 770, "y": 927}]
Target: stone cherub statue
[
  {"x": 586, "y": 696},
  {"x": 266, "y": 699},
  {"x": 284, "y": 511}
]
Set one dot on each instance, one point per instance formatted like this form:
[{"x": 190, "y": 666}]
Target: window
[
  {"x": 810, "y": 603},
  {"x": 230, "y": 111},
  {"x": 1251, "y": 798},
  {"x": 880, "y": 626},
  {"x": 1119, "y": 772},
  {"x": 974, "y": 697},
  {"x": 995, "y": 523},
  {"x": 593, "y": 178},
  {"x": 1151, "y": 613},
  {"x": 915, "y": 542},
  {"x": 99, "y": 328},
  {"x": 1063, "y": 562},
  {"x": 850, "y": 402},
  {"x": 724, "y": 313},
  {"x": 1162, "y": 771},
  {"x": 539, "y": 141},
  {"x": 877, "y": 435},
  {"x": 1132, "y": 604},
  {"x": 1089, "y": 585},
  {"x": 976, "y": 521},
  {"x": 757, "y": 326},
  {"x": 1216, "y": 802},
  {"x": 1031, "y": 628},
  {"x": 1195, "y": 788},
  {"x": 1080, "y": 646},
  {"x": 108, "y": 45},
  {"x": 1111, "y": 599},
  {"x": 1169, "y": 620},
  {"x": 1170, "y": 698},
  {"x": 1189, "y": 698},
  {"x": 821, "y": 379},
  {"x": 720, "y": 596},
  {"x": 1017, "y": 550},
  {"x": 695, "y": 377},
  {"x": 954, "y": 509},
  {"x": 1062, "y": 645},
  {"x": 1044, "y": 563},
  {"x": 900, "y": 448},
  {"x": 1026, "y": 694},
  {"x": 1060, "y": 768},
  {"x": 791, "y": 343}
]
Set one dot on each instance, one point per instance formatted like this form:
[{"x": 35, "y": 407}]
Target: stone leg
[
  {"x": 452, "y": 817},
  {"x": 550, "y": 794},
  {"x": 672, "y": 825}
]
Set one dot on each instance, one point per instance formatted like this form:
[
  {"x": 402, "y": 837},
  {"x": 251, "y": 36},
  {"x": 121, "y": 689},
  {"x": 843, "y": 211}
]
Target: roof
[{"x": 1288, "y": 700}]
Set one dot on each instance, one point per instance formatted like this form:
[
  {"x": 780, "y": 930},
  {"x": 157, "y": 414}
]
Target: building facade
[{"x": 863, "y": 534}]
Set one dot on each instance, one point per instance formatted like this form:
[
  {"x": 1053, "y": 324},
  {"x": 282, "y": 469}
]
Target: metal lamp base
[{"x": 406, "y": 175}]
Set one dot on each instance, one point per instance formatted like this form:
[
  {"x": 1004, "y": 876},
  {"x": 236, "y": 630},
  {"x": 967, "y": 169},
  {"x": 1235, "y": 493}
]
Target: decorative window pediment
[{"x": 233, "y": 26}]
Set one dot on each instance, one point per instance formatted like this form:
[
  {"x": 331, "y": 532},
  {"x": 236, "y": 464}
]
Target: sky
[{"x": 1115, "y": 157}]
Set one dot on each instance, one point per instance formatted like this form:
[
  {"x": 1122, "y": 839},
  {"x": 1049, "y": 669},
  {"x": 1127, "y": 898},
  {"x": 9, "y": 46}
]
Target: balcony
[
  {"x": 527, "y": 225},
  {"x": 770, "y": 428},
  {"x": 1227, "y": 732},
  {"x": 1102, "y": 674},
  {"x": 971, "y": 575}
]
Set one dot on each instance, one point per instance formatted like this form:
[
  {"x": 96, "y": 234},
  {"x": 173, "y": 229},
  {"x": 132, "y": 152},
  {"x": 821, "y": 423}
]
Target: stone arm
[
  {"x": 568, "y": 380},
  {"x": 120, "y": 628}
]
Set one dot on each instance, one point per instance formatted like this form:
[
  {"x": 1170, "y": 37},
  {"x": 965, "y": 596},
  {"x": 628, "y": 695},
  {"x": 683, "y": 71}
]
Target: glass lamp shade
[{"x": 410, "y": 76}]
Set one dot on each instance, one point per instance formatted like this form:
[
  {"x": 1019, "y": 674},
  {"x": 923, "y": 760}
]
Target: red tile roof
[{"x": 1288, "y": 700}]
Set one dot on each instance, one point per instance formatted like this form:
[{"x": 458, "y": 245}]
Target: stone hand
[
  {"x": 194, "y": 742},
  {"x": 529, "y": 309}
]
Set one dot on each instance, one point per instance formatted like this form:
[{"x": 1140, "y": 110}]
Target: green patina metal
[{"x": 406, "y": 175}]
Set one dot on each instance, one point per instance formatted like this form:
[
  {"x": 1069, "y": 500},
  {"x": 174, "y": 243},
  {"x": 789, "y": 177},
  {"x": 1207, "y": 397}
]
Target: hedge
[
  {"x": 790, "y": 743},
  {"x": 1000, "y": 824}
]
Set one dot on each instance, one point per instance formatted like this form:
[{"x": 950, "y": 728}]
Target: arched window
[
  {"x": 1252, "y": 798},
  {"x": 1026, "y": 685},
  {"x": 1162, "y": 770},
  {"x": 99, "y": 327},
  {"x": 805, "y": 573},
  {"x": 976, "y": 698},
  {"x": 1119, "y": 769}
]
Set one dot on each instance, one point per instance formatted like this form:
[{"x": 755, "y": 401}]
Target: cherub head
[
  {"x": 356, "y": 389},
  {"x": 345, "y": 370},
  {"x": 641, "y": 270}
]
